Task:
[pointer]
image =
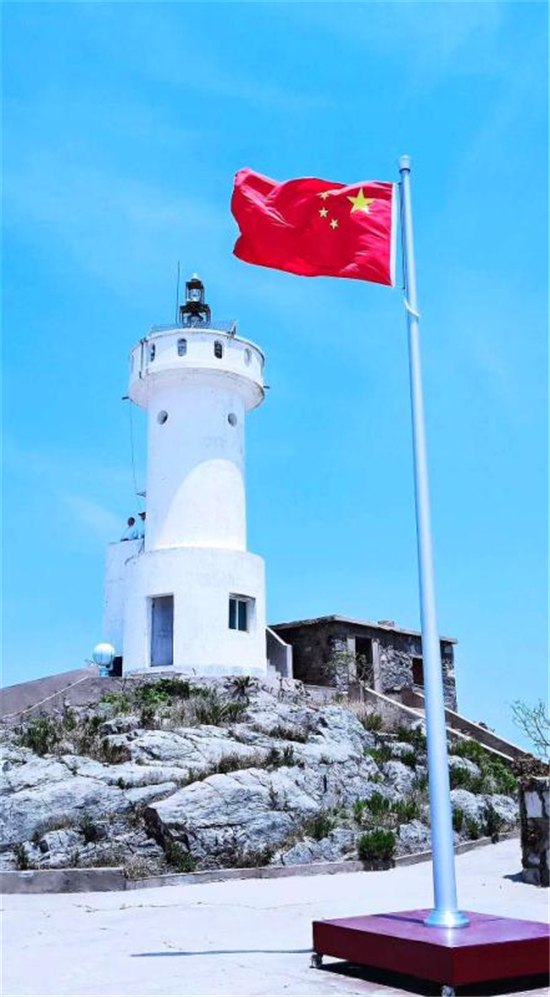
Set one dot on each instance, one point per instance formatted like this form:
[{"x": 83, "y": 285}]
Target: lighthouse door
[{"x": 162, "y": 630}]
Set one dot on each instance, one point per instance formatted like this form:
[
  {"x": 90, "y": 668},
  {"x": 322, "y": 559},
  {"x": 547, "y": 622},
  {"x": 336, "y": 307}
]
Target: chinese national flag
[{"x": 316, "y": 228}]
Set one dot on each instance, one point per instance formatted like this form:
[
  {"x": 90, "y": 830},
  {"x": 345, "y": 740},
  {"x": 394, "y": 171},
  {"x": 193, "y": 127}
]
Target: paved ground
[{"x": 244, "y": 939}]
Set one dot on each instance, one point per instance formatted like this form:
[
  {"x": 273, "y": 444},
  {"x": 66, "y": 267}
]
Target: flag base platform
[{"x": 491, "y": 948}]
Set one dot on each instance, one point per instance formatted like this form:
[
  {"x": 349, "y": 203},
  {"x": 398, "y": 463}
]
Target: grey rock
[
  {"x": 337, "y": 846},
  {"x": 146, "y": 794},
  {"x": 399, "y": 776},
  {"x": 413, "y": 837},
  {"x": 31, "y": 811},
  {"x": 505, "y": 806},
  {"x": 472, "y": 806}
]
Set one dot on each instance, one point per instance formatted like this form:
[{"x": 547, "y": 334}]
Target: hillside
[{"x": 175, "y": 774}]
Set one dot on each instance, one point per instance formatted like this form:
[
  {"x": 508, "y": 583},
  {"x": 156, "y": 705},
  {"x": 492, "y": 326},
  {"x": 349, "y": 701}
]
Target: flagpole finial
[{"x": 404, "y": 163}]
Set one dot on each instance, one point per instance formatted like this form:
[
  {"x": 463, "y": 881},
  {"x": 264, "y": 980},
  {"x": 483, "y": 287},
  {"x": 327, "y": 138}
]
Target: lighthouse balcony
[{"x": 179, "y": 351}]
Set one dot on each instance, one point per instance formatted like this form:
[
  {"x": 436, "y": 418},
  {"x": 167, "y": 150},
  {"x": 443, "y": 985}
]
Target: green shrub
[
  {"x": 359, "y": 808},
  {"x": 495, "y": 774},
  {"x": 179, "y": 858},
  {"x": 153, "y": 695},
  {"x": 408, "y": 758},
  {"x": 381, "y": 754},
  {"x": 458, "y": 819},
  {"x": 319, "y": 826},
  {"x": 147, "y": 716},
  {"x": 22, "y": 859},
  {"x": 215, "y": 712},
  {"x": 376, "y": 846},
  {"x": 469, "y": 749},
  {"x": 242, "y": 685},
  {"x": 111, "y": 753},
  {"x": 372, "y": 721},
  {"x": 69, "y": 720},
  {"x": 472, "y": 828},
  {"x": 276, "y": 758},
  {"x": 283, "y": 733},
  {"x": 120, "y": 702},
  {"x": 413, "y": 736},
  {"x": 41, "y": 735},
  {"x": 506, "y": 782},
  {"x": 462, "y": 779},
  {"x": 378, "y": 805},
  {"x": 406, "y": 810}
]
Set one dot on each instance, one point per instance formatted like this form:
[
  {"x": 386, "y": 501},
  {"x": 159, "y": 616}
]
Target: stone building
[{"x": 342, "y": 652}]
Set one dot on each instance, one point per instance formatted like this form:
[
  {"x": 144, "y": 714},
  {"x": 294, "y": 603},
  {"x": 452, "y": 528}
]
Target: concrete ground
[{"x": 244, "y": 938}]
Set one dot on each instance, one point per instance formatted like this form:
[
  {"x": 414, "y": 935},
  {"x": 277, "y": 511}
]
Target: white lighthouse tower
[{"x": 189, "y": 596}]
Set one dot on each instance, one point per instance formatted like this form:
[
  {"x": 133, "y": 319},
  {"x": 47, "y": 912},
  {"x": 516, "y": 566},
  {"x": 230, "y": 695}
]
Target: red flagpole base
[{"x": 492, "y": 948}]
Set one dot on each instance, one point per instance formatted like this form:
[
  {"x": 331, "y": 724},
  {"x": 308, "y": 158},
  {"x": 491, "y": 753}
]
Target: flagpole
[{"x": 445, "y": 912}]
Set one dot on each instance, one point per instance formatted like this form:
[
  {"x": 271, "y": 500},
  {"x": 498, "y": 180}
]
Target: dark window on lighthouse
[
  {"x": 182, "y": 347},
  {"x": 218, "y": 349},
  {"x": 162, "y": 630},
  {"x": 238, "y": 613}
]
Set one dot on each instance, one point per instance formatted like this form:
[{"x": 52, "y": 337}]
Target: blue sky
[{"x": 123, "y": 126}]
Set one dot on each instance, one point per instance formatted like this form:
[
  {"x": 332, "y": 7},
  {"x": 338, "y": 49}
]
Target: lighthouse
[{"x": 189, "y": 596}]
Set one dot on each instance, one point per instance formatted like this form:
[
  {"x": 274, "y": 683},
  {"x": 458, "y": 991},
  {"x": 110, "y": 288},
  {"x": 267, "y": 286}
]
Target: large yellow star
[{"x": 360, "y": 202}]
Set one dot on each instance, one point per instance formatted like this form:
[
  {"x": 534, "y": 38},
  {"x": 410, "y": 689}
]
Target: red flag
[{"x": 316, "y": 228}]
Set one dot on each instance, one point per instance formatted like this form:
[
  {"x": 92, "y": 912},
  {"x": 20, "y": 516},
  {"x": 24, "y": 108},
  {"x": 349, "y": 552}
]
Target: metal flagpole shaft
[{"x": 445, "y": 913}]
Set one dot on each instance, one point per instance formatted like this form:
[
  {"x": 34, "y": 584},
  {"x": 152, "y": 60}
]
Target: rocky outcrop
[{"x": 178, "y": 777}]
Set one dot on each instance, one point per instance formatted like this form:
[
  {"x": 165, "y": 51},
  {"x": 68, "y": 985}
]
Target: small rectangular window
[
  {"x": 182, "y": 347},
  {"x": 239, "y": 613},
  {"x": 162, "y": 630}
]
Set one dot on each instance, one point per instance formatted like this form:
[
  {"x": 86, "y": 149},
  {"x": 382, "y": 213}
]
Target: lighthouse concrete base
[{"x": 197, "y": 583}]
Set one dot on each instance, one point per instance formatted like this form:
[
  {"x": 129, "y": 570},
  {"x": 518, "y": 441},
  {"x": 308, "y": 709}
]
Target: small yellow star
[
  {"x": 324, "y": 195},
  {"x": 334, "y": 223},
  {"x": 361, "y": 203},
  {"x": 323, "y": 212}
]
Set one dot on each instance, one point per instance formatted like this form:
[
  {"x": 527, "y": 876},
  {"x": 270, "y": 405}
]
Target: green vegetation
[
  {"x": 320, "y": 826},
  {"x": 458, "y": 819},
  {"x": 277, "y": 759},
  {"x": 376, "y": 846},
  {"x": 381, "y": 810},
  {"x": 463, "y": 779},
  {"x": 381, "y": 754},
  {"x": 41, "y": 735},
  {"x": 21, "y": 858},
  {"x": 372, "y": 721},
  {"x": 495, "y": 776},
  {"x": 284, "y": 733},
  {"x": 408, "y": 758},
  {"x": 216, "y": 712},
  {"x": 179, "y": 858},
  {"x": 119, "y": 701},
  {"x": 413, "y": 736},
  {"x": 242, "y": 686},
  {"x": 473, "y": 828}
]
